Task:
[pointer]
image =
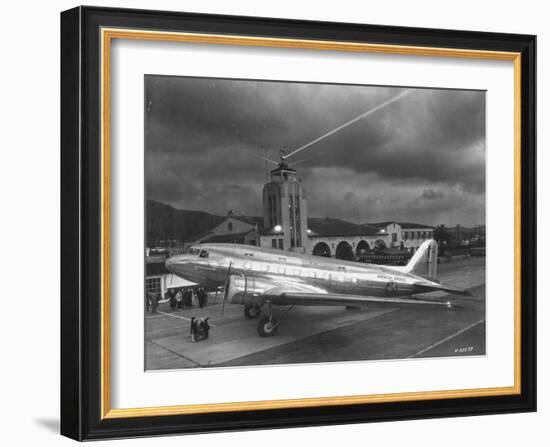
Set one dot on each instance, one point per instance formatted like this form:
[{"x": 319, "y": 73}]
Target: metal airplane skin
[{"x": 257, "y": 277}]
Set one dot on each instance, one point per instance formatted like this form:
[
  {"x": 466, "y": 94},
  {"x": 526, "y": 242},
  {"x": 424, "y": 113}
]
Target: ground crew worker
[
  {"x": 193, "y": 329},
  {"x": 179, "y": 299},
  {"x": 206, "y": 327},
  {"x": 154, "y": 303}
]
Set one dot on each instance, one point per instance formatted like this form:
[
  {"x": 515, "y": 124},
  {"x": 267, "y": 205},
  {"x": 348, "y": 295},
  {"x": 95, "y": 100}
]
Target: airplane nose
[
  {"x": 168, "y": 263},
  {"x": 172, "y": 261},
  {"x": 176, "y": 264}
]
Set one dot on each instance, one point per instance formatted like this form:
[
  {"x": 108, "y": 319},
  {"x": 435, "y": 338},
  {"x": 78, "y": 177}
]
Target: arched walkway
[
  {"x": 344, "y": 251},
  {"x": 362, "y": 248},
  {"x": 322, "y": 249}
]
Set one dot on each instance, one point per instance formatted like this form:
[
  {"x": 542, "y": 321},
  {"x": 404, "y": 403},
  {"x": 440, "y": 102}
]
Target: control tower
[{"x": 285, "y": 209}]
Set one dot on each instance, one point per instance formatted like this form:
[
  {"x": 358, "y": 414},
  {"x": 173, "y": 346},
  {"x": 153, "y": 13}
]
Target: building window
[
  {"x": 273, "y": 243},
  {"x": 280, "y": 244},
  {"x": 394, "y": 237},
  {"x": 152, "y": 285},
  {"x": 230, "y": 226}
]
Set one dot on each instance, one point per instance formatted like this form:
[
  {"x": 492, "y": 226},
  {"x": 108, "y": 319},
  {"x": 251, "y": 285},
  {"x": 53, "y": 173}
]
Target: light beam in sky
[{"x": 350, "y": 122}]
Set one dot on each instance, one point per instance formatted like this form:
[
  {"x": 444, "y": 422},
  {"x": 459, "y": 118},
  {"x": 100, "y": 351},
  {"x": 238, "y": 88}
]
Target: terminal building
[{"x": 285, "y": 225}]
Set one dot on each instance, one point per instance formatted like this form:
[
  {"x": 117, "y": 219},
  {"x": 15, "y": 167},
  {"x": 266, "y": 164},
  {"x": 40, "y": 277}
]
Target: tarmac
[{"x": 327, "y": 334}]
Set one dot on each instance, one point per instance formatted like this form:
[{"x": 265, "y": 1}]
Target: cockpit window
[{"x": 203, "y": 254}]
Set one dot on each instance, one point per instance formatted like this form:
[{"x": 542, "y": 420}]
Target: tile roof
[
  {"x": 404, "y": 225},
  {"x": 337, "y": 227},
  {"x": 251, "y": 220},
  {"x": 229, "y": 237}
]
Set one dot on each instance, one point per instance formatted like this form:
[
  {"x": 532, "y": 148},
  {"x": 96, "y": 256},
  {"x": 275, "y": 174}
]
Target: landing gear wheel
[
  {"x": 251, "y": 312},
  {"x": 267, "y": 326}
]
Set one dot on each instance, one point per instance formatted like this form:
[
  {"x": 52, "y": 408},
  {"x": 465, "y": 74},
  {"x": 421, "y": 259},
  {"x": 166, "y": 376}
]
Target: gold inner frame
[{"x": 107, "y": 35}]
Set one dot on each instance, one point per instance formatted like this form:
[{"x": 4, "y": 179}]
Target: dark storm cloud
[
  {"x": 430, "y": 194},
  {"x": 204, "y": 137}
]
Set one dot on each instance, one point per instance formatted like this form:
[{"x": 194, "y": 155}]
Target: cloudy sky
[{"x": 421, "y": 158}]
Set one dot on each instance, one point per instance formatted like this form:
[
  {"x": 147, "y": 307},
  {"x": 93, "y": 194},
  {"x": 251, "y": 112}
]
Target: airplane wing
[
  {"x": 315, "y": 299},
  {"x": 434, "y": 287},
  {"x": 295, "y": 292}
]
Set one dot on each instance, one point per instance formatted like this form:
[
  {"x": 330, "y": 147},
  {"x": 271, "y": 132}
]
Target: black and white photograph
[{"x": 296, "y": 222}]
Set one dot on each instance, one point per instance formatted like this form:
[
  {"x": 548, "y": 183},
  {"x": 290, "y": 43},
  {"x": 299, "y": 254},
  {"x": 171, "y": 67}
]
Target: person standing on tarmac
[
  {"x": 188, "y": 298},
  {"x": 205, "y": 327},
  {"x": 154, "y": 303},
  {"x": 179, "y": 300},
  {"x": 193, "y": 329},
  {"x": 172, "y": 299},
  {"x": 200, "y": 297}
]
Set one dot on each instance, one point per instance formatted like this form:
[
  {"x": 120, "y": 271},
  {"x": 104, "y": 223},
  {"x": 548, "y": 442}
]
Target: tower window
[{"x": 230, "y": 226}]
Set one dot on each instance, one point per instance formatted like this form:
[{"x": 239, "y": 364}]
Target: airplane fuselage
[{"x": 208, "y": 264}]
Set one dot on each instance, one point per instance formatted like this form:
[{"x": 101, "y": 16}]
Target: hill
[{"x": 164, "y": 222}]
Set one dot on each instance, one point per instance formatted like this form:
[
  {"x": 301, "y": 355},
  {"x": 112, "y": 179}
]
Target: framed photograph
[{"x": 273, "y": 223}]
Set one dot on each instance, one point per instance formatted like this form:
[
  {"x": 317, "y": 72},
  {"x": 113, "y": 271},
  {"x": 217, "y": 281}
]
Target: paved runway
[{"x": 321, "y": 334}]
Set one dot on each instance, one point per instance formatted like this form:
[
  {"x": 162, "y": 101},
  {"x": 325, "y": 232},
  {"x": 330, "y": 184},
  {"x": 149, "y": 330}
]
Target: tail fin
[{"x": 424, "y": 261}]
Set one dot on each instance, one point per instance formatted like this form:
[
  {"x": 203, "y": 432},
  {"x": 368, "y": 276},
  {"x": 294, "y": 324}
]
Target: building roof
[
  {"x": 337, "y": 227},
  {"x": 404, "y": 225},
  {"x": 230, "y": 237},
  {"x": 327, "y": 227},
  {"x": 407, "y": 225},
  {"x": 251, "y": 220}
]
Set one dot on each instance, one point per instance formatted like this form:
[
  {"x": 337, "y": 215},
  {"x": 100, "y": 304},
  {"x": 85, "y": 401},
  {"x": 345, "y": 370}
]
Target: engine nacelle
[{"x": 242, "y": 289}]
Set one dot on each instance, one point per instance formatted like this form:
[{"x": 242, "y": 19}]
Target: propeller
[{"x": 226, "y": 287}]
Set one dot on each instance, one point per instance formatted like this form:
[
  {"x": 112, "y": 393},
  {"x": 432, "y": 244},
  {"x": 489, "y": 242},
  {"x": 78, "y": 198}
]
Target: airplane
[{"x": 258, "y": 278}]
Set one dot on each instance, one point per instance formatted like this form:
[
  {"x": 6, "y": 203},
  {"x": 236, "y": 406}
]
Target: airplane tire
[
  {"x": 251, "y": 312},
  {"x": 267, "y": 327}
]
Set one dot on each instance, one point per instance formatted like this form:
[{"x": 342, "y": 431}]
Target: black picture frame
[{"x": 81, "y": 208}]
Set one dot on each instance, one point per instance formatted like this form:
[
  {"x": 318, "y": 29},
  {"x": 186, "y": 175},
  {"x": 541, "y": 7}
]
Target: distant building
[
  {"x": 285, "y": 211},
  {"x": 235, "y": 229},
  {"x": 405, "y": 234},
  {"x": 285, "y": 225}
]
